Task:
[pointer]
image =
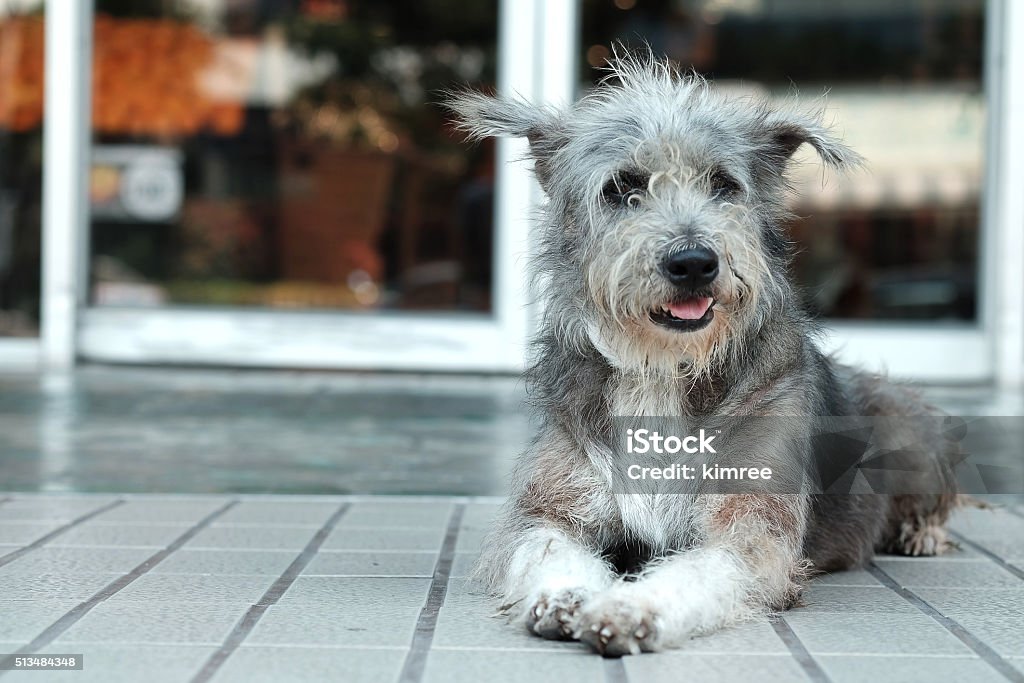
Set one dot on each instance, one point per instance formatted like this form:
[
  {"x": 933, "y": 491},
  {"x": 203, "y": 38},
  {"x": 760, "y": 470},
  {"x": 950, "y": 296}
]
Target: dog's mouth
[{"x": 686, "y": 315}]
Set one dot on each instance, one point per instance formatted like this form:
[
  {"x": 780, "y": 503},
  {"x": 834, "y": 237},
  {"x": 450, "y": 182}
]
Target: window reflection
[
  {"x": 21, "y": 149},
  {"x": 283, "y": 153},
  {"x": 904, "y": 82}
]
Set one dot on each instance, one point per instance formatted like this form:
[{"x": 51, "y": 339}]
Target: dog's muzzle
[{"x": 691, "y": 271}]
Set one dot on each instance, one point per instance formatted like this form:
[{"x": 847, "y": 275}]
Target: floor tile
[
  {"x": 471, "y": 541},
  {"x": 344, "y": 591},
  {"x": 397, "y": 514},
  {"x": 183, "y": 588},
  {"x": 974, "y": 522},
  {"x": 949, "y": 574},
  {"x": 47, "y": 560},
  {"x": 1005, "y": 636},
  {"x": 43, "y": 587},
  {"x": 353, "y": 610},
  {"x": 222, "y": 561},
  {"x": 462, "y": 564},
  {"x": 252, "y": 538},
  {"x": 371, "y": 563},
  {"x": 883, "y": 634},
  {"x": 357, "y": 624},
  {"x": 265, "y": 664},
  {"x": 480, "y": 516},
  {"x": 50, "y": 509},
  {"x": 867, "y": 669},
  {"x": 660, "y": 668},
  {"x": 756, "y": 637},
  {"x": 384, "y": 539},
  {"x": 104, "y": 663},
  {"x": 279, "y": 512},
  {"x": 23, "y": 533},
  {"x": 125, "y": 535},
  {"x": 140, "y": 510},
  {"x": 852, "y": 600},
  {"x": 853, "y": 577},
  {"x": 1006, "y": 603},
  {"x": 460, "y": 666},
  {"x": 125, "y": 621},
  {"x": 23, "y": 621}
]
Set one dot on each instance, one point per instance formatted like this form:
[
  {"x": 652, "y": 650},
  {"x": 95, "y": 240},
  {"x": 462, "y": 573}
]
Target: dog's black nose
[{"x": 694, "y": 268}]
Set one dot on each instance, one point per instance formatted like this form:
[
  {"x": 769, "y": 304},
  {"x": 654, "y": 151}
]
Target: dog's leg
[
  {"x": 751, "y": 566},
  {"x": 548, "y": 577}
]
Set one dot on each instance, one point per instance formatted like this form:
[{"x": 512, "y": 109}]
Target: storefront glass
[
  {"x": 21, "y": 150},
  {"x": 289, "y": 154},
  {"x": 899, "y": 241}
]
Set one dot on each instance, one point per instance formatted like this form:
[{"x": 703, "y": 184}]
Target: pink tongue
[{"x": 691, "y": 309}]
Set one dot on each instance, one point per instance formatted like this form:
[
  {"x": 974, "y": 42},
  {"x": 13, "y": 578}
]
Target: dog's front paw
[
  {"x": 553, "y": 615},
  {"x": 615, "y": 626}
]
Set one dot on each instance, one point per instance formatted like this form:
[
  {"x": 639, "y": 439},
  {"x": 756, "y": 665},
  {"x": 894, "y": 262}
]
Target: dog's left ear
[
  {"x": 483, "y": 116},
  {"x": 783, "y": 133}
]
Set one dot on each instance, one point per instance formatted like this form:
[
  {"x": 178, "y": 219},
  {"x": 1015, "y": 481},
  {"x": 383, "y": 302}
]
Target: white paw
[
  {"x": 615, "y": 625},
  {"x": 553, "y": 615},
  {"x": 925, "y": 541}
]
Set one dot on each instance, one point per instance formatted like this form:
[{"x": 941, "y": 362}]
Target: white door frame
[
  {"x": 377, "y": 340},
  {"x": 538, "y": 44},
  {"x": 992, "y": 348},
  {"x": 1004, "y": 285},
  {"x": 66, "y": 130}
]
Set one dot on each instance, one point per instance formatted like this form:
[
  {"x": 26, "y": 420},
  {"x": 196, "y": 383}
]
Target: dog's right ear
[{"x": 483, "y": 116}]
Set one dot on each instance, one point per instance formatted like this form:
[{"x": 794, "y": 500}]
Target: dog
[{"x": 663, "y": 269}]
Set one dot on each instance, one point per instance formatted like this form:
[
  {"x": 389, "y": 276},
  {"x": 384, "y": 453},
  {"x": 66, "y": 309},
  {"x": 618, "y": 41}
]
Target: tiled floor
[
  {"x": 279, "y": 588},
  {"x": 185, "y": 574}
]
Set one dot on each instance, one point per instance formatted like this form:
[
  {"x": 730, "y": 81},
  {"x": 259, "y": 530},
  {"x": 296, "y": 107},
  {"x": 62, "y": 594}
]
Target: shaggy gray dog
[{"x": 663, "y": 271}]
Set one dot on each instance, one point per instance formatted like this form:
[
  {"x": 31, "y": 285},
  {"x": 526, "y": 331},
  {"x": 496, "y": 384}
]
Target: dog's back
[{"x": 845, "y": 528}]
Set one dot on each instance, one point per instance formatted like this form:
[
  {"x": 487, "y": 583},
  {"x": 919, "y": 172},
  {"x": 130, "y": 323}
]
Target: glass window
[
  {"x": 21, "y": 150},
  {"x": 289, "y": 154},
  {"x": 904, "y": 82}
]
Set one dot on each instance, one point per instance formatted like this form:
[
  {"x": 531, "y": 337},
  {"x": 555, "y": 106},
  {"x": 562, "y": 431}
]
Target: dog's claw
[
  {"x": 616, "y": 628},
  {"x": 553, "y": 615}
]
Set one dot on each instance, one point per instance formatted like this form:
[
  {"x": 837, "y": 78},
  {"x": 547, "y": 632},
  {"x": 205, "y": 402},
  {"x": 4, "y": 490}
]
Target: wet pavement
[{"x": 135, "y": 530}]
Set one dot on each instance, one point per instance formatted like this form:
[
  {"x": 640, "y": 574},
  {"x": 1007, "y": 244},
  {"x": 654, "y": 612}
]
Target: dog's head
[{"x": 662, "y": 244}]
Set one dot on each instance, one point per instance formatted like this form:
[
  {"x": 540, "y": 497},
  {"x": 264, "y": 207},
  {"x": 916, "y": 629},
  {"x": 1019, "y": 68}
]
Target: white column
[
  {"x": 559, "y": 49},
  {"x": 1007, "y": 206},
  {"x": 65, "y": 171},
  {"x": 516, "y": 191}
]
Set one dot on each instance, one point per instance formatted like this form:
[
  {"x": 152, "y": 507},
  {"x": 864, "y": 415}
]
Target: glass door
[
  {"x": 22, "y": 39},
  {"x": 892, "y": 257},
  {"x": 275, "y": 183}
]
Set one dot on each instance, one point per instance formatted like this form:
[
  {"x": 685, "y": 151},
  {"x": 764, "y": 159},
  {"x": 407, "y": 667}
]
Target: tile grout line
[
  {"x": 1016, "y": 571},
  {"x": 423, "y": 637},
  {"x": 25, "y": 549},
  {"x": 252, "y": 616},
  {"x": 976, "y": 645},
  {"x": 798, "y": 650},
  {"x": 72, "y": 617}
]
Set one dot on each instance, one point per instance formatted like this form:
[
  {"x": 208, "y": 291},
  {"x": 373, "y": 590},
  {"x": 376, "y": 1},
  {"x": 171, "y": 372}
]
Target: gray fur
[{"x": 599, "y": 355}]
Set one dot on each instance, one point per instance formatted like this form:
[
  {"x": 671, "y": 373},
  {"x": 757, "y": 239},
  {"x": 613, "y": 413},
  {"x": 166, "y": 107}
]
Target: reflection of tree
[{"x": 391, "y": 64}]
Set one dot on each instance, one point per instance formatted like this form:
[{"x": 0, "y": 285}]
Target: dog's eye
[
  {"x": 723, "y": 185},
  {"x": 625, "y": 188}
]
